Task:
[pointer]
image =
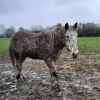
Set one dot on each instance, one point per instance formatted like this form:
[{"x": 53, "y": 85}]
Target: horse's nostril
[{"x": 73, "y": 54}]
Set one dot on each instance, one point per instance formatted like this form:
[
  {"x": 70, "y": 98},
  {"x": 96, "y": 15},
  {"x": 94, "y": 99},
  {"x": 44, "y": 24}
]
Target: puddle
[
  {"x": 38, "y": 77},
  {"x": 7, "y": 72},
  {"x": 8, "y": 83},
  {"x": 87, "y": 87},
  {"x": 2, "y": 97},
  {"x": 76, "y": 85},
  {"x": 13, "y": 89},
  {"x": 45, "y": 82},
  {"x": 34, "y": 75},
  {"x": 64, "y": 98},
  {"x": 12, "y": 86}
]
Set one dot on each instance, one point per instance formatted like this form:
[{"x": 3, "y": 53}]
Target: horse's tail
[{"x": 12, "y": 58}]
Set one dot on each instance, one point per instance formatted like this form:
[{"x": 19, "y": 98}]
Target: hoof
[
  {"x": 59, "y": 94},
  {"x": 17, "y": 76}
]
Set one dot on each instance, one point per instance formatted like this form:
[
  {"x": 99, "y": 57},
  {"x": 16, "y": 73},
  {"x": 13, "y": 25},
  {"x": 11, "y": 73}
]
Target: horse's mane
[
  {"x": 56, "y": 34},
  {"x": 54, "y": 30}
]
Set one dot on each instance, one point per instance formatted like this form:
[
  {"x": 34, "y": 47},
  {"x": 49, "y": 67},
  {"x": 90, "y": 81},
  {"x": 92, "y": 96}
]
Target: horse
[{"x": 46, "y": 45}]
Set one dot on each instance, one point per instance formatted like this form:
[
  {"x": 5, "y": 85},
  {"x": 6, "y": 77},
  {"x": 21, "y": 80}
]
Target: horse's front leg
[{"x": 54, "y": 77}]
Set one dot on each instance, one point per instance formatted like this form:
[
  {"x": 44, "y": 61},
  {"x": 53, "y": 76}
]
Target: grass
[
  {"x": 85, "y": 44},
  {"x": 89, "y": 44},
  {"x": 4, "y": 44}
]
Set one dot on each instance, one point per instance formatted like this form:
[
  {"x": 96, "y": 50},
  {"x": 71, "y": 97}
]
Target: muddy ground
[{"x": 79, "y": 79}]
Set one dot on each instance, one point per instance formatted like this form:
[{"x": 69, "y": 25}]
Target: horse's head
[{"x": 71, "y": 39}]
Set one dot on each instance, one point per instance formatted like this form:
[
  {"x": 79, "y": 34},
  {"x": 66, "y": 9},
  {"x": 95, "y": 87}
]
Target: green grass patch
[
  {"x": 4, "y": 44},
  {"x": 89, "y": 45}
]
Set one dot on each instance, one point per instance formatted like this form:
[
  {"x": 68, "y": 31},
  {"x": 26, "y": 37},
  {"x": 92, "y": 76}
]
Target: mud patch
[{"x": 79, "y": 79}]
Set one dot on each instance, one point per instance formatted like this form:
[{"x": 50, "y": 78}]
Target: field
[
  {"x": 79, "y": 78},
  {"x": 89, "y": 45},
  {"x": 4, "y": 44}
]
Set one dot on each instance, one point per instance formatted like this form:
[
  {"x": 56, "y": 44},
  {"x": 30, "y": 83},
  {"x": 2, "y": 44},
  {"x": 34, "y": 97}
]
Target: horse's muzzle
[{"x": 75, "y": 55}]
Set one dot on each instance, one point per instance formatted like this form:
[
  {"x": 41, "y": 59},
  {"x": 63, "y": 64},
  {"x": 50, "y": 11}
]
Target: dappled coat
[{"x": 39, "y": 45}]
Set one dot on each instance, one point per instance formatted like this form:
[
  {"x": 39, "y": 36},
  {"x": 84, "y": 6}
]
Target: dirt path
[{"x": 79, "y": 79}]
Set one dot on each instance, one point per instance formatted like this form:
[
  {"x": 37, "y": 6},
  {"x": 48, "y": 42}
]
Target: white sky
[{"x": 27, "y": 13}]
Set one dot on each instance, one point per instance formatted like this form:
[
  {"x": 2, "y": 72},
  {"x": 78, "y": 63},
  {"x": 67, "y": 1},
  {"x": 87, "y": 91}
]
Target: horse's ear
[
  {"x": 66, "y": 26},
  {"x": 75, "y": 25}
]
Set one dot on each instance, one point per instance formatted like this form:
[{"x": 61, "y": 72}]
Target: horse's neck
[{"x": 60, "y": 40}]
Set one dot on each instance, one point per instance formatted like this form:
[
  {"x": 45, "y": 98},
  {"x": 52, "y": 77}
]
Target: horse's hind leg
[
  {"x": 54, "y": 77},
  {"x": 19, "y": 68},
  {"x": 19, "y": 59}
]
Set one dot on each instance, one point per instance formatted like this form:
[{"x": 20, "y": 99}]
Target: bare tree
[
  {"x": 10, "y": 31},
  {"x": 88, "y": 29},
  {"x": 40, "y": 28},
  {"x": 47, "y": 27},
  {"x": 21, "y": 29},
  {"x": 36, "y": 28},
  {"x": 2, "y": 29}
]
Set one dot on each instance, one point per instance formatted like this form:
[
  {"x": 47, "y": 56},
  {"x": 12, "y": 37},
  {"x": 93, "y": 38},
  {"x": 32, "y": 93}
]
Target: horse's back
[
  {"x": 33, "y": 45},
  {"x": 36, "y": 45}
]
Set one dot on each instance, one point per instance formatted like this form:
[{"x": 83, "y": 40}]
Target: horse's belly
[{"x": 36, "y": 55}]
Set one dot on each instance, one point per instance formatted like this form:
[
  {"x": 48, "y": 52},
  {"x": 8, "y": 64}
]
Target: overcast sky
[{"x": 27, "y": 13}]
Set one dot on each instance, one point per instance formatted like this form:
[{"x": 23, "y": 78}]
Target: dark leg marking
[
  {"x": 18, "y": 76},
  {"x": 55, "y": 74}
]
